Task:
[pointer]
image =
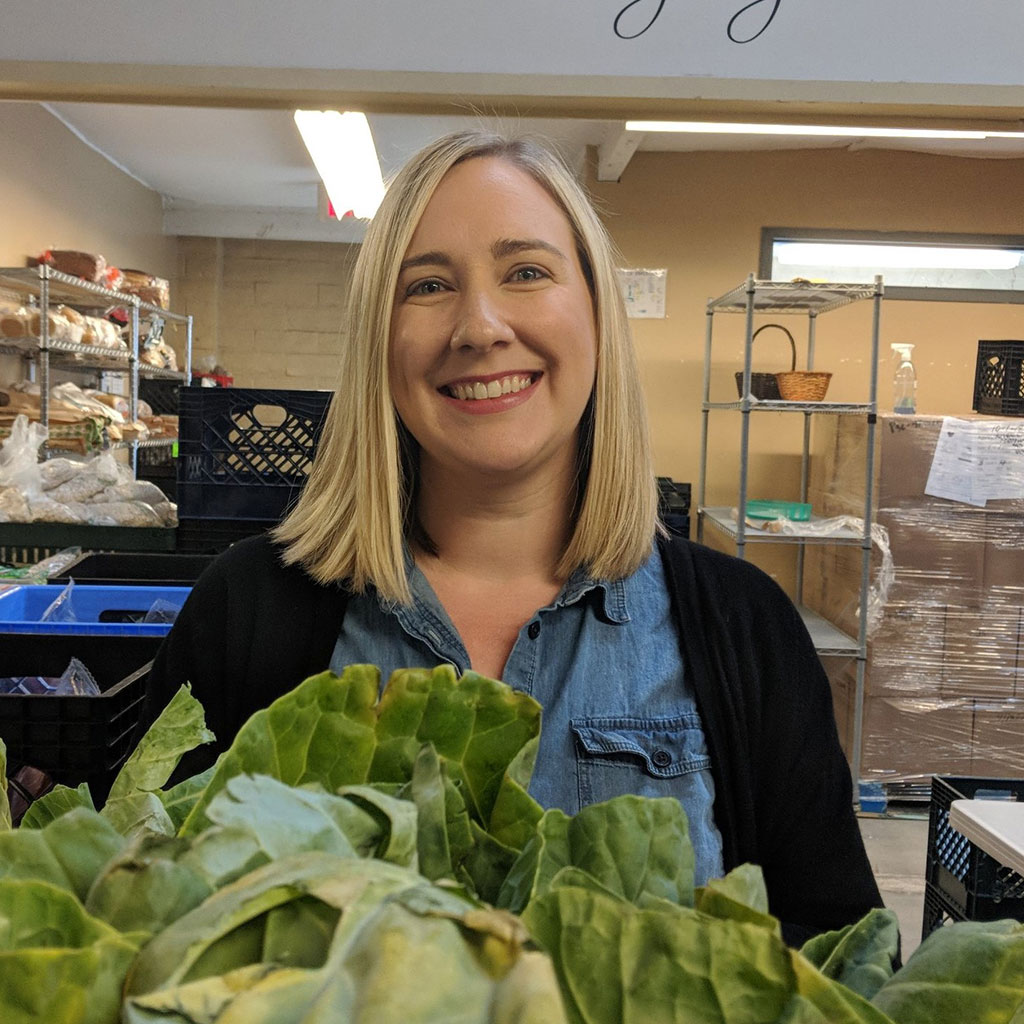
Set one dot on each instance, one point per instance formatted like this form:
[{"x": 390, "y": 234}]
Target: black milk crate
[
  {"x": 135, "y": 568},
  {"x": 74, "y": 739},
  {"x": 245, "y": 453},
  {"x": 160, "y": 395},
  {"x": 212, "y": 536},
  {"x": 998, "y": 381},
  {"x": 970, "y": 884},
  {"x": 938, "y": 911}
]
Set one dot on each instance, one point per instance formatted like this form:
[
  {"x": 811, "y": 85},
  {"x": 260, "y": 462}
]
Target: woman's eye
[
  {"x": 528, "y": 274},
  {"x": 431, "y": 286}
]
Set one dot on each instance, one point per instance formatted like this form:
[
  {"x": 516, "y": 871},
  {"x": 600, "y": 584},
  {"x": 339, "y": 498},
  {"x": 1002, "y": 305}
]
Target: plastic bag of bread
[
  {"x": 87, "y": 265},
  {"x": 154, "y": 290},
  {"x": 123, "y": 513},
  {"x": 58, "y": 327},
  {"x": 76, "y": 323},
  {"x": 54, "y": 472},
  {"x": 13, "y": 506},
  {"x": 14, "y": 324}
]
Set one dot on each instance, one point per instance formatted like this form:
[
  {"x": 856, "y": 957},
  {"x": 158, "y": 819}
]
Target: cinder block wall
[{"x": 269, "y": 312}]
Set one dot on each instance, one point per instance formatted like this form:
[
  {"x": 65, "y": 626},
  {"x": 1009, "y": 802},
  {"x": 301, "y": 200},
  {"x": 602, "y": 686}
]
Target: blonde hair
[{"x": 355, "y": 510}]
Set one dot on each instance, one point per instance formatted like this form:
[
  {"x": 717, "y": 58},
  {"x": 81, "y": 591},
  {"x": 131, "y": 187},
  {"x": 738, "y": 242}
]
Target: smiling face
[{"x": 493, "y": 346}]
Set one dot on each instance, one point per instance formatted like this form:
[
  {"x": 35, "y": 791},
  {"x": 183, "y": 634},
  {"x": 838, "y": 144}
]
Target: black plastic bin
[
  {"x": 111, "y": 568},
  {"x": 963, "y": 882},
  {"x": 74, "y": 739},
  {"x": 998, "y": 378},
  {"x": 245, "y": 453}
]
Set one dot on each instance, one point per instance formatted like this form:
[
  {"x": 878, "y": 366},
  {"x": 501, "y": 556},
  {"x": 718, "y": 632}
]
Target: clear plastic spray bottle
[{"x": 904, "y": 381}]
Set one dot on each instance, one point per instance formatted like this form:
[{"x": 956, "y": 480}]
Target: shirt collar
[{"x": 608, "y": 596}]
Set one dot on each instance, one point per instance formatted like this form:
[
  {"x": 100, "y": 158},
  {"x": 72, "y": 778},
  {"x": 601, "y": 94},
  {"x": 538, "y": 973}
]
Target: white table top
[{"x": 995, "y": 826}]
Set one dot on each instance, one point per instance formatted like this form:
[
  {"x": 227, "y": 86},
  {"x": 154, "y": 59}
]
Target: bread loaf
[{"x": 87, "y": 265}]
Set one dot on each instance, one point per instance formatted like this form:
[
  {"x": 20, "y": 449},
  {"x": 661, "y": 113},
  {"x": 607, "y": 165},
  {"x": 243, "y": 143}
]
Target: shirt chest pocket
[{"x": 645, "y": 756}]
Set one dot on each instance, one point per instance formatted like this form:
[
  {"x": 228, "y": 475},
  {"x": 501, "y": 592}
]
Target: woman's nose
[{"x": 480, "y": 321}]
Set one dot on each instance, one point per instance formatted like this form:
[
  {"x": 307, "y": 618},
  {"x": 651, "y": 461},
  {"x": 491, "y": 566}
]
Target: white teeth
[{"x": 492, "y": 389}]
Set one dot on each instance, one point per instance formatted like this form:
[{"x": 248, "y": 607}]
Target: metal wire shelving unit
[
  {"x": 49, "y": 287},
  {"x": 751, "y": 299}
]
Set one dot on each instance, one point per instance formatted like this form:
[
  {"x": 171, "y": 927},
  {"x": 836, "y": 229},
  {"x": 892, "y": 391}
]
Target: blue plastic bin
[{"x": 100, "y": 611}]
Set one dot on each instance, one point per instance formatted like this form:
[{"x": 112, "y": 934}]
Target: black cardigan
[{"x": 253, "y": 629}]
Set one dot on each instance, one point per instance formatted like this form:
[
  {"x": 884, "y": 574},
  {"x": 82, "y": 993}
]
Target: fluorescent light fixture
[
  {"x": 843, "y": 254},
  {"x": 857, "y": 132},
  {"x": 345, "y": 157}
]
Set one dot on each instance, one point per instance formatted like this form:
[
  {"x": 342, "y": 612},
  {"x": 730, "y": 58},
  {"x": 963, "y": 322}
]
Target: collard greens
[{"x": 379, "y": 860}]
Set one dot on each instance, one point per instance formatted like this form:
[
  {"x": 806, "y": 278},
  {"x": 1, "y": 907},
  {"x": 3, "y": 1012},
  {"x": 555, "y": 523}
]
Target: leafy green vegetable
[
  {"x": 332, "y": 730},
  {"x": 133, "y": 804},
  {"x": 58, "y": 801},
  {"x": 57, "y": 964},
  {"x": 179, "y": 728},
  {"x": 860, "y": 955},
  {"x": 5, "y": 805},
  {"x": 338, "y": 861},
  {"x": 314, "y": 937},
  {"x": 970, "y": 971},
  {"x": 636, "y": 847},
  {"x": 68, "y": 853}
]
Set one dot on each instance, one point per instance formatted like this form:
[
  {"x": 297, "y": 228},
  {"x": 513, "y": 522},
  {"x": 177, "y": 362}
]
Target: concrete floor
[{"x": 897, "y": 847}]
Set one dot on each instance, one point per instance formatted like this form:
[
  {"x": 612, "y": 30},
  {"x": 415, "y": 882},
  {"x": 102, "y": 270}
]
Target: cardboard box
[
  {"x": 998, "y": 740},
  {"x": 939, "y": 557},
  {"x": 904, "y": 738},
  {"x": 981, "y": 653},
  {"x": 1004, "y": 555},
  {"x": 906, "y": 652},
  {"x": 908, "y": 738}
]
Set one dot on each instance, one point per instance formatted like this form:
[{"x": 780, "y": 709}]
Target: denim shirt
[{"x": 603, "y": 661}]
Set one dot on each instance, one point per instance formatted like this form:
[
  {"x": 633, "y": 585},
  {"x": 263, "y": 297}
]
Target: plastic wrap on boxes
[{"x": 944, "y": 678}]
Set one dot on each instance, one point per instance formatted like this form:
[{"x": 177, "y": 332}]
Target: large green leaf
[
  {"x": 58, "y": 801},
  {"x": 968, "y": 971},
  {"x": 322, "y": 731},
  {"x": 320, "y": 939},
  {"x": 5, "y": 805},
  {"x": 860, "y": 955},
  {"x": 739, "y": 896},
  {"x": 332, "y": 730},
  {"x": 291, "y": 819},
  {"x": 58, "y": 965},
  {"x": 179, "y": 728},
  {"x": 636, "y": 847},
  {"x": 149, "y": 885},
  {"x": 619, "y": 962},
  {"x": 68, "y": 853},
  {"x": 135, "y": 804}
]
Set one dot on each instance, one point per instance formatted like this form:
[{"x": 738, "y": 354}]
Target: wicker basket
[
  {"x": 803, "y": 385},
  {"x": 764, "y": 386}
]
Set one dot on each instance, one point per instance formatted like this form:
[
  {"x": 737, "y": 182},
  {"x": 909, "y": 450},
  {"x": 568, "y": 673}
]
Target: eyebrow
[
  {"x": 510, "y": 246},
  {"x": 501, "y": 249}
]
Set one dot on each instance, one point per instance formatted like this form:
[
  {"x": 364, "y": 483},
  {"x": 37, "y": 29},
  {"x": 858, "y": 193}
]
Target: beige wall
[
  {"x": 269, "y": 312},
  {"x": 57, "y": 193},
  {"x": 700, "y": 216}
]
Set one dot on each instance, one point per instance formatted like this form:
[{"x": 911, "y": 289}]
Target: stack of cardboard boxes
[{"x": 944, "y": 680}]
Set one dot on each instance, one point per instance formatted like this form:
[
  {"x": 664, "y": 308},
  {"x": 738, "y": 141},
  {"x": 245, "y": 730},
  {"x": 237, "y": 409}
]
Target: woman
[{"x": 483, "y": 494}]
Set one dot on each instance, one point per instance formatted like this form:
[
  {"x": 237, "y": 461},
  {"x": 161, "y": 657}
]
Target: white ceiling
[{"x": 246, "y": 173}]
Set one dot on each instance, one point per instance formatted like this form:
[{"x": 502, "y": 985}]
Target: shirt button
[
  {"x": 662, "y": 758},
  {"x": 533, "y": 631}
]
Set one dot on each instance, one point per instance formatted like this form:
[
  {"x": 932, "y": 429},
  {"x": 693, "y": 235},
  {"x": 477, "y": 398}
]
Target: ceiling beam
[
  {"x": 615, "y": 152},
  {"x": 291, "y": 225}
]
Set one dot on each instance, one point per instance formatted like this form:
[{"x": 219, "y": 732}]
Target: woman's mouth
[{"x": 474, "y": 389}]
